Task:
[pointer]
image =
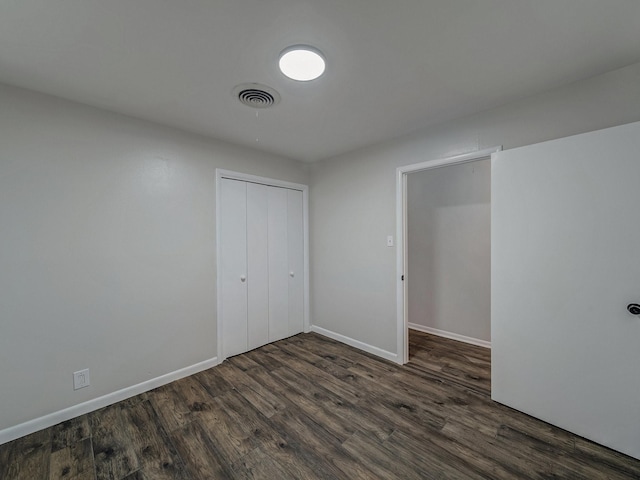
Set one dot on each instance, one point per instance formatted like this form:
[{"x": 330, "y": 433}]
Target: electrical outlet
[{"x": 81, "y": 379}]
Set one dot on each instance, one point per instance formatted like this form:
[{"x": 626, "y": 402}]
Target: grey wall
[
  {"x": 107, "y": 249},
  {"x": 352, "y": 197},
  {"x": 449, "y": 249}
]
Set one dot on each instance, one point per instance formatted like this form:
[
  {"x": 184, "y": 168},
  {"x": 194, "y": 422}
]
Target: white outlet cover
[{"x": 81, "y": 379}]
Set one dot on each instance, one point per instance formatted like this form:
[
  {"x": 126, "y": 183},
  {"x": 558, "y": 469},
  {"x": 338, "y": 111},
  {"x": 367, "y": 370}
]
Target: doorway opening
[{"x": 442, "y": 257}]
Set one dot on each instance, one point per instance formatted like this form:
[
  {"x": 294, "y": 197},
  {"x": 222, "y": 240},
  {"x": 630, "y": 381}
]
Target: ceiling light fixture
[{"x": 302, "y": 63}]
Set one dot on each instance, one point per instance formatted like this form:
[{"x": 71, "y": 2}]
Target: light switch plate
[
  {"x": 389, "y": 240},
  {"x": 81, "y": 379}
]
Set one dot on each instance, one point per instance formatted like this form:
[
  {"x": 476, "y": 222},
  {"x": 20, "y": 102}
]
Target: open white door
[{"x": 565, "y": 266}]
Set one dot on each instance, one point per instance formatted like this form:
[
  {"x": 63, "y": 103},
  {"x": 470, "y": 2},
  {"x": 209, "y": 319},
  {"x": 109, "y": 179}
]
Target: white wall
[
  {"x": 352, "y": 197},
  {"x": 449, "y": 249},
  {"x": 107, "y": 249}
]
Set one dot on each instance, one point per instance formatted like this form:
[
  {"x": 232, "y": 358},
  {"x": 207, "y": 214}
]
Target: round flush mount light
[{"x": 302, "y": 63}]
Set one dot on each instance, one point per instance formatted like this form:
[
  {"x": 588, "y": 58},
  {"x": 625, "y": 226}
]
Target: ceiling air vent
[{"x": 255, "y": 95}]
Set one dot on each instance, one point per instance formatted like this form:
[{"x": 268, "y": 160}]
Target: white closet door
[
  {"x": 258, "y": 265},
  {"x": 278, "y": 265},
  {"x": 295, "y": 238},
  {"x": 233, "y": 249}
]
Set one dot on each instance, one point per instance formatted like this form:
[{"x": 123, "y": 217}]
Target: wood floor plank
[
  {"x": 265, "y": 361},
  {"x": 330, "y": 458},
  {"x": 332, "y": 404},
  {"x": 350, "y": 392},
  {"x": 433, "y": 461},
  {"x": 30, "y": 457},
  {"x": 352, "y": 355},
  {"x": 155, "y": 452},
  {"x": 452, "y": 359},
  {"x": 260, "y": 397},
  {"x": 565, "y": 464},
  {"x": 258, "y": 465},
  {"x": 378, "y": 459},
  {"x": 303, "y": 349},
  {"x": 296, "y": 459},
  {"x": 174, "y": 413},
  {"x": 363, "y": 419},
  {"x": 309, "y": 407},
  {"x": 191, "y": 393},
  {"x": 328, "y": 390},
  {"x": 199, "y": 453},
  {"x": 84, "y": 475},
  {"x": 73, "y": 461},
  {"x": 212, "y": 382},
  {"x": 232, "y": 438},
  {"x": 592, "y": 453},
  {"x": 502, "y": 461},
  {"x": 488, "y": 414},
  {"x": 113, "y": 450},
  {"x": 6, "y": 451},
  {"x": 403, "y": 410},
  {"x": 311, "y": 399},
  {"x": 67, "y": 433},
  {"x": 137, "y": 475},
  {"x": 462, "y": 456},
  {"x": 370, "y": 371},
  {"x": 251, "y": 421},
  {"x": 243, "y": 362}
]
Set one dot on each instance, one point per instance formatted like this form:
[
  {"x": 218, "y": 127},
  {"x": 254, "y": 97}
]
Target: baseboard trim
[
  {"x": 450, "y": 335},
  {"x": 356, "y": 344},
  {"x": 51, "y": 419}
]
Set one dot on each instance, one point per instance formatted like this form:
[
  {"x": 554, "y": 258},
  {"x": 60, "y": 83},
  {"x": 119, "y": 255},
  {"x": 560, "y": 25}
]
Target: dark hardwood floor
[{"x": 311, "y": 408}]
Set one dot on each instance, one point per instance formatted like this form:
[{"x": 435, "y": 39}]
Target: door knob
[
  {"x": 291, "y": 274},
  {"x": 242, "y": 278},
  {"x": 634, "y": 309}
]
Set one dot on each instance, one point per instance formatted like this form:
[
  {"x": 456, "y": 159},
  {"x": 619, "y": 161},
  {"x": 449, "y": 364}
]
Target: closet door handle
[
  {"x": 243, "y": 278},
  {"x": 291, "y": 274}
]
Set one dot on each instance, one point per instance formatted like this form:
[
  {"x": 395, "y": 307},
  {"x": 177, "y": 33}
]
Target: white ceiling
[{"x": 393, "y": 66}]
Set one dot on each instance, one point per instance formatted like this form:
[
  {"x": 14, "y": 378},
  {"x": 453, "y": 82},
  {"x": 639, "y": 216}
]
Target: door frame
[
  {"x": 272, "y": 182},
  {"x": 401, "y": 235}
]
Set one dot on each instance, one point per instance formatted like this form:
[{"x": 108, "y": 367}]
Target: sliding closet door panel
[
  {"x": 233, "y": 248},
  {"x": 278, "y": 265},
  {"x": 258, "y": 265},
  {"x": 295, "y": 238}
]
